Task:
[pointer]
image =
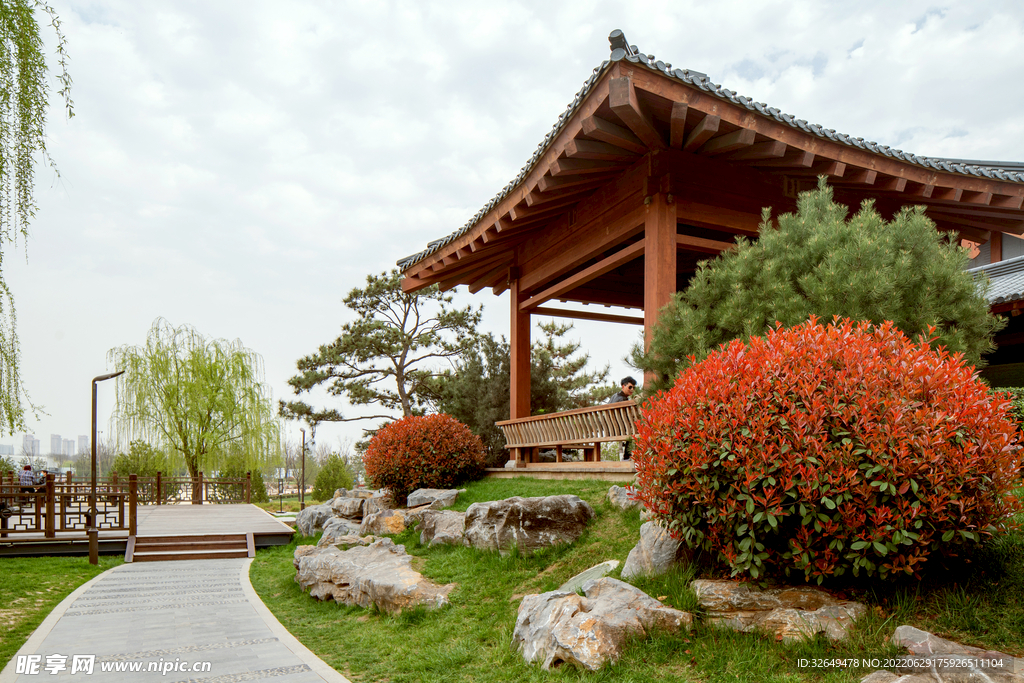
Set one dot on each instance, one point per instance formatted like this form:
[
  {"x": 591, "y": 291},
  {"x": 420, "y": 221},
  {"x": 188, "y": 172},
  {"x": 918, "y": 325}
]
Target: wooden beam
[
  {"x": 467, "y": 277},
  {"x": 728, "y": 142},
  {"x": 524, "y": 211},
  {"x": 537, "y": 197},
  {"x": 794, "y": 158},
  {"x": 548, "y": 183},
  {"x": 677, "y": 125},
  {"x": 979, "y": 198},
  {"x": 859, "y": 176},
  {"x": 564, "y": 167},
  {"x": 825, "y": 167},
  {"x": 623, "y": 102},
  {"x": 708, "y": 215},
  {"x": 488, "y": 278},
  {"x": 889, "y": 184},
  {"x": 606, "y": 131},
  {"x": 412, "y": 284},
  {"x": 762, "y": 150},
  {"x": 1007, "y": 201},
  {"x": 964, "y": 231},
  {"x": 701, "y": 133},
  {"x": 603, "y": 266},
  {"x": 703, "y": 245},
  {"x": 602, "y": 151},
  {"x": 587, "y": 315},
  {"x": 949, "y": 215}
]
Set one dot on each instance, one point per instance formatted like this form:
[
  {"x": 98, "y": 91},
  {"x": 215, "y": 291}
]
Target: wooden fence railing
[
  {"x": 584, "y": 428},
  {"x": 54, "y": 507},
  {"x": 160, "y": 490}
]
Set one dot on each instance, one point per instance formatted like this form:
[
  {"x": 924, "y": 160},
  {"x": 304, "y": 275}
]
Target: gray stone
[
  {"x": 510, "y": 465},
  {"x": 436, "y": 498},
  {"x": 575, "y": 584},
  {"x": 346, "y": 540},
  {"x": 379, "y": 501},
  {"x": 655, "y": 553},
  {"x": 526, "y": 523},
  {"x": 351, "y": 508},
  {"x": 924, "y": 646},
  {"x": 379, "y": 574},
  {"x": 881, "y": 676},
  {"x": 787, "y": 613},
  {"x": 442, "y": 527},
  {"x": 312, "y": 519},
  {"x": 622, "y": 497},
  {"x": 362, "y": 493},
  {"x": 589, "y": 631},
  {"x": 339, "y": 526},
  {"x": 383, "y": 523}
]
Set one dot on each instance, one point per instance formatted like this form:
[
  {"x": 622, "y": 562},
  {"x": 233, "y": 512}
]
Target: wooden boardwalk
[{"x": 160, "y": 520}]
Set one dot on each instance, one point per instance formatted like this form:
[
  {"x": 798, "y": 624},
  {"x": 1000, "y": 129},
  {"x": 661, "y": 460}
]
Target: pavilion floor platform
[{"x": 608, "y": 471}]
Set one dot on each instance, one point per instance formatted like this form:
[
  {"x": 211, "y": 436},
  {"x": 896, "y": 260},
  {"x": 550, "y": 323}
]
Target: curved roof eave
[{"x": 1006, "y": 171}]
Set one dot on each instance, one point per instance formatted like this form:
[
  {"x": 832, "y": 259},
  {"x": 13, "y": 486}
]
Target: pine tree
[{"x": 819, "y": 262}]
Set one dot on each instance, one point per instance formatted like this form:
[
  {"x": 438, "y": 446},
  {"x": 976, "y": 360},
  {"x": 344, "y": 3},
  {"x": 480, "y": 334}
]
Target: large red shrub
[
  {"x": 826, "y": 448},
  {"x": 430, "y": 451}
]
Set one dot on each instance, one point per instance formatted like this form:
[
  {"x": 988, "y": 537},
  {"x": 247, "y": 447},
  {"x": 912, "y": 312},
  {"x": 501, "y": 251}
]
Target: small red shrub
[
  {"x": 826, "y": 448},
  {"x": 429, "y": 451}
]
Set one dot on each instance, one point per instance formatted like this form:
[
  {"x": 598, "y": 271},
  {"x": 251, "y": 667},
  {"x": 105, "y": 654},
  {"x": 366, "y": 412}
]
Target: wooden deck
[
  {"x": 162, "y": 520},
  {"x": 607, "y": 471}
]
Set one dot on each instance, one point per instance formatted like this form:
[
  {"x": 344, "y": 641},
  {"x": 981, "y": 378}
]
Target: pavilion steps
[{"x": 205, "y": 547}]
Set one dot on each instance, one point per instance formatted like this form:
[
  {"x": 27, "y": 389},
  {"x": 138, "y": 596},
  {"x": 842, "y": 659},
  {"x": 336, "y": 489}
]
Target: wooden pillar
[
  {"x": 995, "y": 247},
  {"x": 133, "y": 503},
  {"x": 50, "y": 529},
  {"x": 519, "y": 332},
  {"x": 659, "y": 259}
]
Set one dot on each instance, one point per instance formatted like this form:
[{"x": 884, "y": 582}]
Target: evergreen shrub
[
  {"x": 333, "y": 475},
  {"x": 822, "y": 449},
  {"x": 423, "y": 451}
]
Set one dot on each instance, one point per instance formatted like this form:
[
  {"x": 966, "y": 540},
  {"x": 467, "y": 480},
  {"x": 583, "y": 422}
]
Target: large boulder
[
  {"x": 622, "y": 497},
  {"x": 345, "y": 540},
  {"x": 340, "y": 526},
  {"x": 351, "y": 508},
  {"x": 655, "y": 553},
  {"x": 312, "y": 519},
  {"x": 787, "y": 613},
  {"x": 938, "y": 659},
  {"x": 526, "y": 523},
  {"x": 383, "y": 523},
  {"x": 442, "y": 527},
  {"x": 590, "y": 630},
  {"x": 379, "y": 501},
  {"x": 575, "y": 584},
  {"x": 379, "y": 574},
  {"x": 436, "y": 498}
]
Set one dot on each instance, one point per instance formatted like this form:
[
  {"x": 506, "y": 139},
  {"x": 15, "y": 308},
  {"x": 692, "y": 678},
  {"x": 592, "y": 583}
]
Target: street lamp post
[
  {"x": 302, "y": 486},
  {"x": 93, "y": 533}
]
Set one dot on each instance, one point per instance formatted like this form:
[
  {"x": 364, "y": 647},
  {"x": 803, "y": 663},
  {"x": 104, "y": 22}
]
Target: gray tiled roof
[
  {"x": 1008, "y": 171},
  {"x": 1006, "y": 277}
]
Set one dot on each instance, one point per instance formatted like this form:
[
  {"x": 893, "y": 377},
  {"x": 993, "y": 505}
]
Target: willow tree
[
  {"x": 203, "y": 399},
  {"x": 24, "y": 95}
]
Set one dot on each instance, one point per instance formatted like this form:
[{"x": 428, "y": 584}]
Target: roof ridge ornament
[{"x": 620, "y": 46}]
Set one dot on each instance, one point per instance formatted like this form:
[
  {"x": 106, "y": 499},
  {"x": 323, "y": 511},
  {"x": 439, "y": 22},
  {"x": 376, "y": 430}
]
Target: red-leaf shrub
[
  {"x": 429, "y": 451},
  {"x": 826, "y": 448}
]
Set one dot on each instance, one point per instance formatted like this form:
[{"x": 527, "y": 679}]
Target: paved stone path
[{"x": 169, "y": 615}]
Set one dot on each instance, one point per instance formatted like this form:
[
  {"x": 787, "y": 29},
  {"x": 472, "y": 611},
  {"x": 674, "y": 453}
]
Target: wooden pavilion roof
[{"x": 637, "y": 127}]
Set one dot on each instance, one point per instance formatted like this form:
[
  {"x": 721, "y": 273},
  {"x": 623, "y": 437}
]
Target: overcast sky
[{"x": 240, "y": 166}]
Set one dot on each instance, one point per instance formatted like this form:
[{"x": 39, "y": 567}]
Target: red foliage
[
  {"x": 430, "y": 451},
  {"x": 826, "y": 448}
]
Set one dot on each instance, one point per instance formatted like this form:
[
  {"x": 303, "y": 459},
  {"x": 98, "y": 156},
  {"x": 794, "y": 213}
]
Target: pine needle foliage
[
  {"x": 821, "y": 262},
  {"x": 203, "y": 399},
  {"x": 24, "y": 96}
]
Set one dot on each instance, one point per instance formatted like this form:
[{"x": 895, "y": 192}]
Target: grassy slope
[
  {"x": 30, "y": 587},
  {"x": 469, "y": 641}
]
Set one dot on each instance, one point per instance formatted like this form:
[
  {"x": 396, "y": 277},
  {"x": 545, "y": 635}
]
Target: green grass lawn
[
  {"x": 470, "y": 639},
  {"x": 30, "y": 587}
]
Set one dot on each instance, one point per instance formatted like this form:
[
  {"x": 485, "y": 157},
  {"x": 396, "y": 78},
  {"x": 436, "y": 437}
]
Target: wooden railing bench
[{"x": 583, "y": 428}]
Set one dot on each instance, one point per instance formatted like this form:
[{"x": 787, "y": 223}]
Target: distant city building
[
  {"x": 68, "y": 448},
  {"x": 30, "y": 445},
  {"x": 83, "y": 444},
  {"x": 6, "y": 450},
  {"x": 56, "y": 444}
]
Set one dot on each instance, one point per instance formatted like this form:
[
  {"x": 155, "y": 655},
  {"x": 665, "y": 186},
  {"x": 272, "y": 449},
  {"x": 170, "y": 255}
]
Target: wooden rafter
[
  {"x": 613, "y": 134},
  {"x": 603, "y": 266},
  {"x": 623, "y": 102},
  {"x": 701, "y": 133},
  {"x": 677, "y": 124},
  {"x": 602, "y": 151}
]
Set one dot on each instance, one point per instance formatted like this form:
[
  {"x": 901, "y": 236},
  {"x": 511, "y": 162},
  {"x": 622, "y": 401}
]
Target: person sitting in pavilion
[{"x": 625, "y": 393}]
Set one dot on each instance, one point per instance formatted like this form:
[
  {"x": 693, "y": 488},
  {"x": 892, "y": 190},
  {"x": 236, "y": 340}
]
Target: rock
[
  {"x": 546, "y": 456},
  {"x": 341, "y": 493},
  {"x": 442, "y": 527},
  {"x": 622, "y": 497},
  {"x": 346, "y": 540},
  {"x": 379, "y": 574},
  {"x": 575, "y": 584},
  {"x": 380, "y": 501},
  {"x": 655, "y": 553},
  {"x": 383, "y": 523},
  {"x": 351, "y": 508},
  {"x": 510, "y": 465},
  {"x": 362, "y": 493},
  {"x": 526, "y": 523},
  {"x": 312, "y": 519},
  {"x": 589, "y": 631},
  {"x": 339, "y": 526},
  {"x": 881, "y": 676},
  {"x": 788, "y": 613},
  {"x": 436, "y": 498},
  {"x": 924, "y": 646}
]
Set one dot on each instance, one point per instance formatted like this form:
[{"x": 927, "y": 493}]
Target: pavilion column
[
  {"x": 659, "y": 261},
  {"x": 519, "y": 331}
]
